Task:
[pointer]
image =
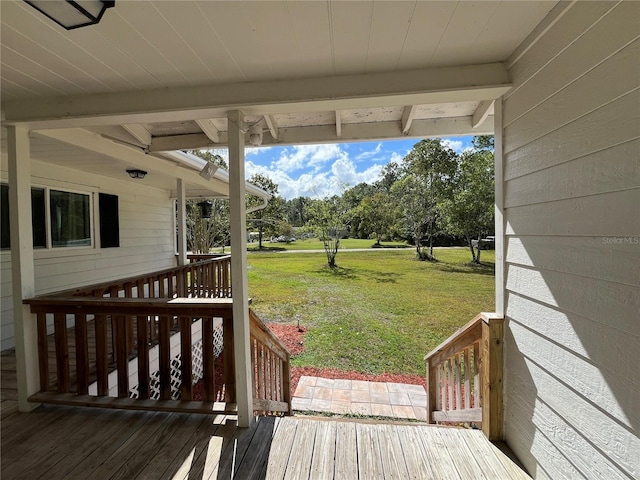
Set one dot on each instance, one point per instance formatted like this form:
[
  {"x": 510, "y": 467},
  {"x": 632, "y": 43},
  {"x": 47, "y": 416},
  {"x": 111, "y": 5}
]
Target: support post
[
  {"x": 22, "y": 269},
  {"x": 182, "y": 223},
  {"x": 492, "y": 413},
  {"x": 500, "y": 240},
  {"x": 239, "y": 282}
]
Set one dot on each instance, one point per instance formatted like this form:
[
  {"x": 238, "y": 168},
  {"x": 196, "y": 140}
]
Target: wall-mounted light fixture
[
  {"x": 137, "y": 174},
  {"x": 71, "y": 14}
]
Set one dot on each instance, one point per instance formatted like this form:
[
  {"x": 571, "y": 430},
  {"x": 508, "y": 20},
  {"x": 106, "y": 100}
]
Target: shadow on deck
[{"x": 65, "y": 442}]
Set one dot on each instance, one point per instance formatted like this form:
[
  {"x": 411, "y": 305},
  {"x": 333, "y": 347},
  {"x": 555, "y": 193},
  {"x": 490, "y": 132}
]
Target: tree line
[{"x": 433, "y": 195}]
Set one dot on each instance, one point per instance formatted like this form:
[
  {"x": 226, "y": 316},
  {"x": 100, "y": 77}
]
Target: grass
[
  {"x": 378, "y": 312},
  {"x": 315, "y": 244}
]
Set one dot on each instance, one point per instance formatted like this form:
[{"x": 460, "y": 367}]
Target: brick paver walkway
[{"x": 393, "y": 400}]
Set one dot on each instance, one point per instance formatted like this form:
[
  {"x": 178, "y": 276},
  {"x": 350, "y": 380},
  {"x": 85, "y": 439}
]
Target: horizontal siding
[
  {"x": 596, "y": 173},
  {"x": 604, "y": 258},
  {"x": 146, "y": 239},
  {"x": 572, "y": 211}
]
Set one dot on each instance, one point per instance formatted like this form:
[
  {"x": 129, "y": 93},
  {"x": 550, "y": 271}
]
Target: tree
[
  {"x": 265, "y": 220},
  {"x": 328, "y": 217},
  {"x": 375, "y": 215},
  {"x": 205, "y": 233},
  {"x": 469, "y": 211},
  {"x": 429, "y": 168}
]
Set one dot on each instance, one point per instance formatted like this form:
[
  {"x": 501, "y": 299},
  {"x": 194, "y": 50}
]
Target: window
[
  {"x": 38, "y": 222},
  {"x": 4, "y": 206},
  {"x": 109, "y": 221},
  {"x": 70, "y": 219}
]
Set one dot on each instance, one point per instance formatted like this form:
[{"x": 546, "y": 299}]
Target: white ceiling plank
[
  {"x": 425, "y": 32},
  {"x": 311, "y": 27},
  {"x": 482, "y": 112},
  {"x": 96, "y": 143},
  {"x": 390, "y": 25},
  {"x": 417, "y": 87},
  {"x": 338, "y": 124},
  {"x": 440, "y": 127},
  {"x": 190, "y": 141},
  {"x": 350, "y": 31},
  {"x": 407, "y": 118},
  {"x": 209, "y": 129},
  {"x": 139, "y": 132},
  {"x": 272, "y": 126}
]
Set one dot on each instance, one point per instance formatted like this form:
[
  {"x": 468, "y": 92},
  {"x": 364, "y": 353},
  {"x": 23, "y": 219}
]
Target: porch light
[
  {"x": 205, "y": 208},
  {"x": 71, "y": 14},
  {"x": 137, "y": 174}
]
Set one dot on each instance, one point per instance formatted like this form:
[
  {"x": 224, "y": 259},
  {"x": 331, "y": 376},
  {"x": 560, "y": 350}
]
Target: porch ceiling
[{"x": 162, "y": 75}]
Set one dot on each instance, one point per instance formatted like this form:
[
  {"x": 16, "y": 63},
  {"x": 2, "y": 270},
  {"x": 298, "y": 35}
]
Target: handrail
[
  {"x": 119, "y": 285},
  {"x": 464, "y": 376},
  {"x": 270, "y": 369}
]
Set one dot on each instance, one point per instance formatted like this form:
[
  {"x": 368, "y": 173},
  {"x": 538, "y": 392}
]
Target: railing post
[
  {"x": 492, "y": 334},
  {"x": 432, "y": 391}
]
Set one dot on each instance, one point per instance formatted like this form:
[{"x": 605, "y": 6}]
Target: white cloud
[
  {"x": 303, "y": 156},
  {"x": 455, "y": 145},
  {"x": 370, "y": 153},
  {"x": 397, "y": 157}
]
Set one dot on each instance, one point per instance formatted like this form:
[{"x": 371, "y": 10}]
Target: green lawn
[
  {"x": 379, "y": 312},
  {"x": 316, "y": 244}
]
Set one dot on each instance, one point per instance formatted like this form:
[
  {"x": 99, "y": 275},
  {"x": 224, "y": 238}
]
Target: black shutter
[{"x": 109, "y": 221}]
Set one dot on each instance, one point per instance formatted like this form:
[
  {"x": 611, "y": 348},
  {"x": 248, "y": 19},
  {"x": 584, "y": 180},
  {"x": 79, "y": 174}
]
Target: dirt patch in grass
[{"x": 293, "y": 338}]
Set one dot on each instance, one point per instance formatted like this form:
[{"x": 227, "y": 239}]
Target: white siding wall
[
  {"x": 146, "y": 241},
  {"x": 572, "y": 199}
]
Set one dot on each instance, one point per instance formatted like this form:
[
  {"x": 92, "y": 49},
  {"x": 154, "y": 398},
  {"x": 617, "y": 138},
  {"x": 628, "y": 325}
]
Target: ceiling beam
[
  {"x": 134, "y": 157},
  {"x": 414, "y": 87},
  {"x": 481, "y": 113},
  {"x": 271, "y": 125},
  {"x": 138, "y": 132},
  {"x": 209, "y": 129},
  {"x": 338, "y": 124},
  {"x": 407, "y": 118},
  {"x": 440, "y": 127}
]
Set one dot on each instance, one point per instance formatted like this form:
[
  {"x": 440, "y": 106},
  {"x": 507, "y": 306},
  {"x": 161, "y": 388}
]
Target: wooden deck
[{"x": 56, "y": 442}]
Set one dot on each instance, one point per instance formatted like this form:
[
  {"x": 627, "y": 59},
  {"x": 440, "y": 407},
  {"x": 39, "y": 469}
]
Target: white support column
[
  {"x": 239, "y": 282},
  {"x": 182, "y": 223},
  {"x": 22, "y": 270},
  {"x": 500, "y": 241}
]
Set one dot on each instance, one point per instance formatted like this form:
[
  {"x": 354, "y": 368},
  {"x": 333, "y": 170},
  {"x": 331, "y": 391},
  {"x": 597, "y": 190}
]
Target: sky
[{"x": 320, "y": 171}]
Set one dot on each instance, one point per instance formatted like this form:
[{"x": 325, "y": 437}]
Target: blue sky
[{"x": 323, "y": 170}]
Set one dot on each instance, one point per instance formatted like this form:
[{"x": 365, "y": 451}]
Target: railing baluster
[
  {"x": 208, "y": 359},
  {"x": 458, "y": 381},
  {"x": 477, "y": 401},
  {"x": 467, "y": 379},
  {"x": 165, "y": 358},
  {"x": 82, "y": 355},
  {"x": 43, "y": 351},
  {"x": 122, "y": 354},
  {"x": 186, "y": 389},
  {"x": 450, "y": 385},
  {"x": 102, "y": 361},
  {"x": 62, "y": 351},
  {"x": 228, "y": 359},
  {"x": 143, "y": 356}
]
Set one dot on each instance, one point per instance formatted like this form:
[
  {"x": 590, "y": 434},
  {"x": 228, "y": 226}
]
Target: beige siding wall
[
  {"x": 572, "y": 200},
  {"x": 146, "y": 241}
]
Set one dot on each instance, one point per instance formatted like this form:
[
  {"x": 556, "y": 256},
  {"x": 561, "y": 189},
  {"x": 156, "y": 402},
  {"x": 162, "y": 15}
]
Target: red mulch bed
[{"x": 293, "y": 338}]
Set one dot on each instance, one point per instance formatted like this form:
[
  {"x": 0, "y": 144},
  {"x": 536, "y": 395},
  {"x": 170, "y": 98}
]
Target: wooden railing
[
  {"x": 94, "y": 360},
  {"x": 111, "y": 338},
  {"x": 270, "y": 362},
  {"x": 464, "y": 377}
]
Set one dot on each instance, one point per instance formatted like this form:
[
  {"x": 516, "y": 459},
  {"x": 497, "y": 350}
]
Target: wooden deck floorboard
[{"x": 56, "y": 442}]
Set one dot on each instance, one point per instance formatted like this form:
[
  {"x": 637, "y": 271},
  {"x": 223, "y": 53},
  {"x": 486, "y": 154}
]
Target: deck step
[{"x": 135, "y": 404}]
